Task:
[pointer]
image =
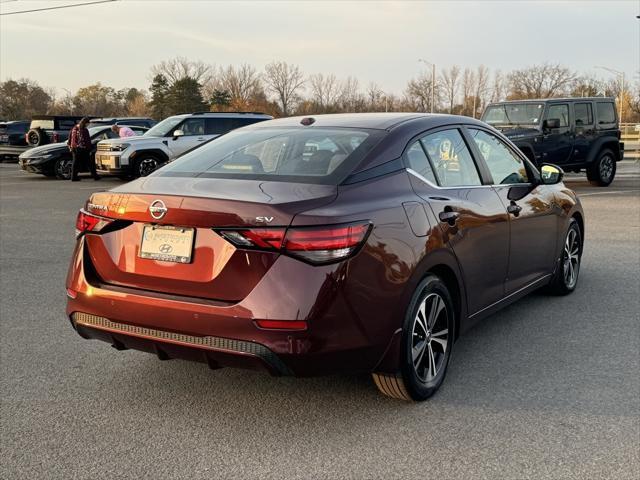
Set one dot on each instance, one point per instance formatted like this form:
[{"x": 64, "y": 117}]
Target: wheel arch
[
  {"x": 444, "y": 265},
  {"x": 610, "y": 143},
  {"x": 155, "y": 152}
]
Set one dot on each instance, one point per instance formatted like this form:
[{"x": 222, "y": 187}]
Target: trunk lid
[{"x": 217, "y": 270}]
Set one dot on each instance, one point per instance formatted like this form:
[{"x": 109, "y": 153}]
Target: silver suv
[{"x": 166, "y": 141}]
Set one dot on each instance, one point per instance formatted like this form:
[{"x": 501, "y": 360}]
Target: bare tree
[
  {"x": 450, "y": 80},
  {"x": 285, "y": 81},
  {"x": 180, "y": 67},
  {"x": 325, "y": 91},
  {"x": 418, "y": 93},
  {"x": 541, "y": 81},
  {"x": 468, "y": 90},
  {"x": 482, "y": 86},
  {"x": 243, "y": 83},
  {"x": 497, "y": 90},
  {"x": 351, "y": 98},
  {"x": 375, "y": 96}
]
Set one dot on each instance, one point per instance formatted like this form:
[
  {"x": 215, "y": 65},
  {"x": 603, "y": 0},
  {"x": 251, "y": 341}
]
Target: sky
[{"x": 117, "y": 43}]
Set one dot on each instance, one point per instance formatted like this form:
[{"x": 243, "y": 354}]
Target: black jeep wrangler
[{"x": 575, "y": 133}]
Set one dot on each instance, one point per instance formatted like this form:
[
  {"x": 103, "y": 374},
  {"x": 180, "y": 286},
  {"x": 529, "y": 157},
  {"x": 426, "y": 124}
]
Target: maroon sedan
[{"x": 335, "y": 243}]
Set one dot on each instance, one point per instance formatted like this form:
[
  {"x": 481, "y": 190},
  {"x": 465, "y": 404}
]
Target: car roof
[
  {"x": 376, "y": 121},
  {"x": 551, "y": 100}
]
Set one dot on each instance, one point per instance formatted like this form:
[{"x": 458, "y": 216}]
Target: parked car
[
  {"x": 50, "y": 129},
  {"x": 128, "y": 121},
  {"x": 574, "y": 133},
  {"x": 373, "y": 254},
  {"x": 13, "y": 133},
  {"x": 54, "y": 160},
  {"x": 167, "y": 140},
  {"x": 12, "y": 138}
]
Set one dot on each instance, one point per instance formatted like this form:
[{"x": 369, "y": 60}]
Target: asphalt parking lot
[{"x": 548, "y": 388}]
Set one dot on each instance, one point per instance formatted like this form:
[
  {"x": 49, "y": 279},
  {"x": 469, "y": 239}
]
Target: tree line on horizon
[{"x": 180, "y": 85}]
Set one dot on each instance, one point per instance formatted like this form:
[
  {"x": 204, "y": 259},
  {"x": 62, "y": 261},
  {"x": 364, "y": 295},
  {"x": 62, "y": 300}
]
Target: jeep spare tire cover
[{"x": 36, "y": 137}]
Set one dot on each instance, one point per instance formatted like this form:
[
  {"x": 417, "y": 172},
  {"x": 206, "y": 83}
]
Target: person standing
[
  {"x": 80, "y": 146},
  {"x": 123, "y": 132}
]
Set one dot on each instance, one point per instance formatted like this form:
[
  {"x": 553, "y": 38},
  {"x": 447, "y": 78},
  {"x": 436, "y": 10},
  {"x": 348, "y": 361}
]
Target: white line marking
[{"x": 606, "y": 193}]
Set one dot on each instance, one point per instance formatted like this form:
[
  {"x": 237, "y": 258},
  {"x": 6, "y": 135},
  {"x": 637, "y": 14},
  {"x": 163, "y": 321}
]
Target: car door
[
  {"x": 193, "y": 134},
  {"x": 472, "y": 217},
  {"x": 557, "y": 143},
  {"x": 585, "y": 132},
  {"x": 531, "y": 208}
]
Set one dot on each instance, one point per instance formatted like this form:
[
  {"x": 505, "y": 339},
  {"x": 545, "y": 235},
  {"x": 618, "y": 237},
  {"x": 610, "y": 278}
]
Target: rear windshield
[
  {"x": 310, "y": 155},
  {"x": 46, "y": 124}
]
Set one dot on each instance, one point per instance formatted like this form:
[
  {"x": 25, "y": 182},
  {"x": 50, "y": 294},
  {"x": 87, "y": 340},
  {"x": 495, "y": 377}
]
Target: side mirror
[
  {"x": 551, "y": 123},
  {"x": 178, "y": 133},
  {"x": 551, "y": 174}
]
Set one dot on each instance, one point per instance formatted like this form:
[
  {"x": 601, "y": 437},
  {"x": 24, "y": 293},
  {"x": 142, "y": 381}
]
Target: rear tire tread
[{"x": 392, "y": 386}]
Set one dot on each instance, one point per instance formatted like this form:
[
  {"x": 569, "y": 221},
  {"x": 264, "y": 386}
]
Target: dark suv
[
  {"x": 574, "y": 133},
  {"x": 50, "y": 129},
  {"x": 12, "y": 138}
]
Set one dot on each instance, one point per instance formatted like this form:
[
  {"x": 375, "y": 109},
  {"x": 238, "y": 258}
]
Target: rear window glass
[
  {"x": 312, "y": 155},
  {"x": 46, "y": 124}
]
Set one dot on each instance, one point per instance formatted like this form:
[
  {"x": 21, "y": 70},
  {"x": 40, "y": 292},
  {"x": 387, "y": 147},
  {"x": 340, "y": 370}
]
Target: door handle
[
  {"x": 514, "y": 209},
  {"x": 201, "y": 139},
  {"x": 448, "y": 216}
]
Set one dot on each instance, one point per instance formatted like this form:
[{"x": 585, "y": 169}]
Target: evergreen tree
[
  {"x": 184, "y": 96},
  {"x": 159, "y": 97},
  {"x": 220, "y": 99}
]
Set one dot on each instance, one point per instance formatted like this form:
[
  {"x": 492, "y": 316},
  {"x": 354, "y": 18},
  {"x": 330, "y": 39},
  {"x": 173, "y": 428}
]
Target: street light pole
[
  {"x": 621, "y": 75},
  {"x": 433, "y": 80}
]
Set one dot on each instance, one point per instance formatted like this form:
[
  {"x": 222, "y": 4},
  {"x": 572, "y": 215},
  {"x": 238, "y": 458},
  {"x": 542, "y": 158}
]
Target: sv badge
[{"x": 264, "y": 219}]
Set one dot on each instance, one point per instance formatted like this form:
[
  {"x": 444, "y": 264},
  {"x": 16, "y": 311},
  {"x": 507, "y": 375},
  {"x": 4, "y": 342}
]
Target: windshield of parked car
[
  {"x": 514, "y": 114},
  {"x": 311, "y": 155},
  {"x": 163, "y": 128}
]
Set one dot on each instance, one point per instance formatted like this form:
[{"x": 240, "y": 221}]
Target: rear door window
[
  {"x": 451, "y": 159},
  {"x": 606, "y": 113},
  {"x": 219, "y": 126},
  {"x": 584, "y": 114},
  {"x": 416, "y": 159}
]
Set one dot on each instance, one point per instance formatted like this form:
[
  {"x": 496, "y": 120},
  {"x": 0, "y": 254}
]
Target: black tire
[
  {"x": 602, "y": 170},
  {"x": 145, "y": 165},
  {"x": 62, "y": 168},
  {"x": 426, "y": 352},
  {"x": 36, "y": 137},
  {"x": 565, "y": 279}
]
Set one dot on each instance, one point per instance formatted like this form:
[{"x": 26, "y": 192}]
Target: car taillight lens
[
  {"x": 317, "y": 245},
  {"x": 86, "y": 222}
]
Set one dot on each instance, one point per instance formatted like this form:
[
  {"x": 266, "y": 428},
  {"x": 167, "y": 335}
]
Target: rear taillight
[
  {"x": 317, "y": 245},
  {"x": 87, "y": 222}
]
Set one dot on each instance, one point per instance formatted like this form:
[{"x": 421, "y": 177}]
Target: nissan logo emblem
[{"x": 158, "y": 209}]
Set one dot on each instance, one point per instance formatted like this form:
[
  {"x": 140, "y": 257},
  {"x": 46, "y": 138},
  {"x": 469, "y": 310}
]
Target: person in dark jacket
[{"x": 80, "y": 146}]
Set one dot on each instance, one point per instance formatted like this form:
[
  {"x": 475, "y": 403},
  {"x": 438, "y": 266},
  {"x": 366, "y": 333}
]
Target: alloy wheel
[
  {"x": 571, "y": 260},
  {"x": 147, "y": 166},
  {"x": 430, "y": 337},
  {"x": 606, "y": 168},
  {"x": 63, "y": 169}
]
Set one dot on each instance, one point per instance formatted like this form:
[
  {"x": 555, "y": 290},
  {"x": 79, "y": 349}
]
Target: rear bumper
[
  {"x": 621, "y": 153},
  {"x": 338, "y": 338},
  {"x": 217, "y": 352}
]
